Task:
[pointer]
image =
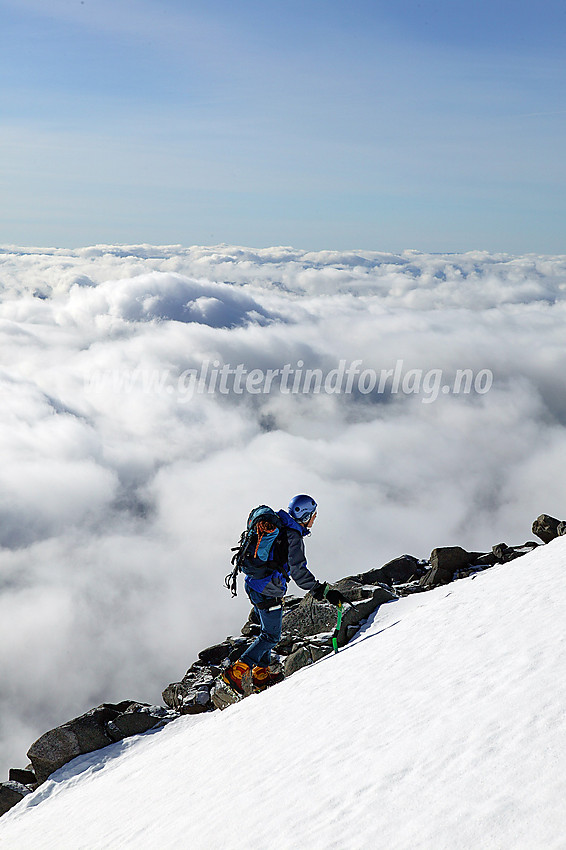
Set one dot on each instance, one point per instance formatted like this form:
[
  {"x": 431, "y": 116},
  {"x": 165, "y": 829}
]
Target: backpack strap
[{"x": 231, "y": 580}]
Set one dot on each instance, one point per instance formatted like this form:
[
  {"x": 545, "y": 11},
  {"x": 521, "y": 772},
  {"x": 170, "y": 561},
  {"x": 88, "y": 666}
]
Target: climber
[{"x": 253, "y": 670}]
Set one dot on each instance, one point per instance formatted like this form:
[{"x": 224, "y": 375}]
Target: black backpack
[{"x": 262, "y": 549}]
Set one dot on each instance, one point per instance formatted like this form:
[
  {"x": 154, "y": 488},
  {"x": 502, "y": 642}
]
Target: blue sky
[{"x": 382, "y": 125}]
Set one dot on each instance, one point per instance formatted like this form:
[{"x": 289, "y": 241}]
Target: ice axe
[
  {"x": 339, "y": 624},
  {"x": 337, "y": 629}
]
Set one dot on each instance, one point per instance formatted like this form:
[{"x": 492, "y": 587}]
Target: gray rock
[
  {"x": 351, "y": 632},
  {"x": 134, "y": 721},
  {"x": 287, "y": 643},
  {"x": 356, "y": 591},
  {"x": 398, "y": 571},
  {"x": 251, "y": 627},
  {"x": 188, "y": 700},
  {"x": 230, "y": 648},
  {"x": 310, "y": 617},
  {"x": 504, "y": 553},
  {"x": 489, "y": 559},
  {"x": 546, "y": 527},
  {"x": 24, "y": 777},
  {"x": 98, "y": 728},
  {"x": 444, "y": 562},
  {"x": 451, "y": 558},
  {"x": 10, "y": 794},
  {"x": 59, "y": 746},
  {"x": 303, "y": 656},
  {"x": 217, "y": 653}
]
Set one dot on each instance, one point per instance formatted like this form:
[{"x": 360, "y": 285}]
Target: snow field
[{"x": 440, "y": 728}]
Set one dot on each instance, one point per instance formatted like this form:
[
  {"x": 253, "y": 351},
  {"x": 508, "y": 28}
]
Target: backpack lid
[{"x": 264, "y": 513}]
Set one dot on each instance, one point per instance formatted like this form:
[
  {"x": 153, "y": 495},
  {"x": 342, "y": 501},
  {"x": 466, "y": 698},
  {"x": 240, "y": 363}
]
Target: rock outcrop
[
  {"x": 308, "y": 629},
  {"x": 444, "y": 562},
  {"x": 398, "y": 571},
  {"x": 306, "y": 637},
  {"x": 98, "y": 728},
  {"x": 547, "y": 528},
  {"x": 308, "y": 625},
  {"x": 10, "y": 794}
]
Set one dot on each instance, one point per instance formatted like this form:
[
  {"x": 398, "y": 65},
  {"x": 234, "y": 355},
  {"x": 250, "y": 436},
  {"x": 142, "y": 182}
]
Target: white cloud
[{"x": 120, "y": 501}]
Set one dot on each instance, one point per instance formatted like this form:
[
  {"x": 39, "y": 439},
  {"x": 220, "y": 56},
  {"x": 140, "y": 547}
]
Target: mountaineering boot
[
  {"x": 264, "y": 677},
  {"x": 222, "y": 695},
  {"x": 232, "y": 685},
  {"x": 239, "y": 676}
]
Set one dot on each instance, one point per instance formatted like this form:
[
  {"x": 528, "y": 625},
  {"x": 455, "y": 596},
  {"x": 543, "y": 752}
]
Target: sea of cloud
[{"x": 132, "y": 452}]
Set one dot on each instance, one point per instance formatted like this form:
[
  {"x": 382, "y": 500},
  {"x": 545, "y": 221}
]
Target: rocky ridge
[{"x": 308, "y": 628}]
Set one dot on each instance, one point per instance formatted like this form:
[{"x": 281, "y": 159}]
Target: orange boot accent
[
  {"x": 264, "y": 677},
  {"x": 260, "y": 678},
  {"x": 239, "y": 677}
]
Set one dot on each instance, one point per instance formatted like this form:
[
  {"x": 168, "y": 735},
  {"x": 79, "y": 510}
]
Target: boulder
[
  {"x": 24, "y": 777},
  {"x": 58, "y": 746},
  {"x": 10, "y": 794},
  {"x": 487, "y": 560},
  {"x": 374, "y": 594},
  {"x": 303, "y": 656},
  {"x": 444, "y": 561},
  {"x": 219, "y": 652},
  {"x": 135, "y": 721},
  {"x": 501, "y": 552},
  {"x": 98, "y": 728},
  {"x": 504, "y": 553},
  {"x": 451, "y": 558},
  {"x": 188, "y": 700},
  {"x": 398, "y": 571},
  {"x": 308, "y": 618},
  {"x": 546, "y": 528}
]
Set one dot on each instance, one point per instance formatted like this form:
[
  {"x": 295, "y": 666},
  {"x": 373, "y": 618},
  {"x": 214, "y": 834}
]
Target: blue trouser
[{"x": 259, "y": 653}]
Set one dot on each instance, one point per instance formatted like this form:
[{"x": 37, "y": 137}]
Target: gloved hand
[
  {"x": 318, "y": 590},
  {"x": 322, "y": 591},
  {"x": 334, "y": 596}
]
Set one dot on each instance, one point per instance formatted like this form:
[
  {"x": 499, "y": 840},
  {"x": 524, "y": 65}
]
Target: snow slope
[{"x": 441, "y": 727}]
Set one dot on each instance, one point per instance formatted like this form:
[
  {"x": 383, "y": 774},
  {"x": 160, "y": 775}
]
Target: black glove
[
  {"x": 318, "y": 590},
  {"x": 322, "y": 591},
  {"x": 334, "y": 596}
]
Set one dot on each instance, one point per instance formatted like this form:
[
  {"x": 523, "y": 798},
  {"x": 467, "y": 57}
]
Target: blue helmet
[{"x": 302, "y": 507}]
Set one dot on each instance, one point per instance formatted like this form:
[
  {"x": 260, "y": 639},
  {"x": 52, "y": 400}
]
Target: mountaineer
[{"x": 271, "y": 552}]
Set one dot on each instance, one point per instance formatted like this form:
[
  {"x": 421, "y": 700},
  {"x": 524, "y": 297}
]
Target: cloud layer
[{"x": 121, "y": 492}]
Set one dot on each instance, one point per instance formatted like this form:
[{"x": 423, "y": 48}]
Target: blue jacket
[{"x": 276, "y": 584}]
